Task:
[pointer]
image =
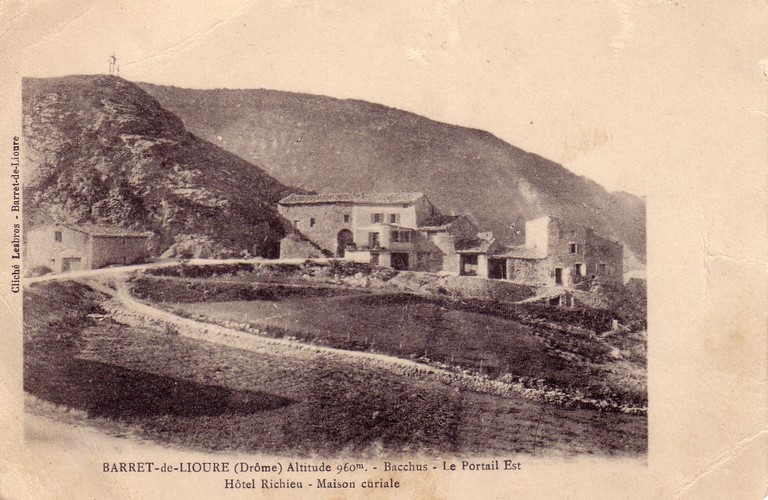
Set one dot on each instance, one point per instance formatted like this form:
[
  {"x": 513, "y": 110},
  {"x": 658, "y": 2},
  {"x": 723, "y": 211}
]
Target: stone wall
[
  {"x": 328, "y": 222},
  {"x": 117, "y": 250},
  {"x": 533, "y": 271},
  {"x": 295, "y": 246},
  {"x": 595, "y": 256}
]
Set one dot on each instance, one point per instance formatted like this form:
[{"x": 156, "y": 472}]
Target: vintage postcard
[{"x": 336, "y": 249}]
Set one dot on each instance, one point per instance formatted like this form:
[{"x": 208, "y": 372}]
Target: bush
[
  {"x": 185, "y": 270},
  {"x": 170, "y": 329},
  {"x": 346, "y": 269},
  {"x": 39, "y": 271}
]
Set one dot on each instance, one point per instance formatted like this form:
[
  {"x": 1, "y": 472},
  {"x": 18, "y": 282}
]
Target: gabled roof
[
  {"x": 438, "y": 222},
  {"x": 108, "y": 231},
  {"x": 351, "y": 198},
  {"x": 521, "y": 252},
  {"x": 378, "y": 225},
  {"x": 474, "y": 246}
]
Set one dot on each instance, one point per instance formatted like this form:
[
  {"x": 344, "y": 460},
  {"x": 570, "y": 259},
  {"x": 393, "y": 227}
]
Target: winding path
[{"x": 125, "y": 308}]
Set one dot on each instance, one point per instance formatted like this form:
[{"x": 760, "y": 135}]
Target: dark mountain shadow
[{"x": 118, "y": 392}]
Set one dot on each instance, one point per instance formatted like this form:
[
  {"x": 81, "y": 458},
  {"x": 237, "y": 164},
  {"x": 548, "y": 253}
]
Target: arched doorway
[{"x": 343, "y": 239}]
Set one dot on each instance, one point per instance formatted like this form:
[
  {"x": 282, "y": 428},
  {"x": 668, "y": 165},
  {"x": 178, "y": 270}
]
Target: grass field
[
  {"x": 199, "y": 395},
  {"x": 479, "y": 336},
  {"x": 401, "y": 325}
]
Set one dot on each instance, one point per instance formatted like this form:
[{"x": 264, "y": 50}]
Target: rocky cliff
[{"x": 102, "y": 150}]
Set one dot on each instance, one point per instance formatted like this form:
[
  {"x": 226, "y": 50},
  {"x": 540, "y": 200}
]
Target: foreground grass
[
  {"x": 197, "y": 395},
  {"x": 480, "y": 336}
]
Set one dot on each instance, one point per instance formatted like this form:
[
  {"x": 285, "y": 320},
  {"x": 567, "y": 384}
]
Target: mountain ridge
[
  {"x": 326, "y": 144},
  {"x": 204, "y": 169}
]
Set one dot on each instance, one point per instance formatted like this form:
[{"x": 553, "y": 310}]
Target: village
[
  {"x": 391, "y": 315},
  {"x": 402, "y": 231}
]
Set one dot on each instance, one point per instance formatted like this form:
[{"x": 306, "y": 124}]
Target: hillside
[
  {"x": 102, "y": 150},
  {"x": 331, "y": 145}
]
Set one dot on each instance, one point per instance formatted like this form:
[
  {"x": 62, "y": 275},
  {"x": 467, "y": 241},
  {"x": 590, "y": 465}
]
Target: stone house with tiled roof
[
  {"x": 405, "y": 231},
  {"x": 398, "y": 230},
  {"x": 73, "y": 247},
  {"x": 447, "y": 232},
  {"x": 562, "y": 253}
]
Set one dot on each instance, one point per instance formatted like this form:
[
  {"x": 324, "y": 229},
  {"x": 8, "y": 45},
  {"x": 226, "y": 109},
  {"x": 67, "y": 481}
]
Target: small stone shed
[{"x": 74, "y": 247}]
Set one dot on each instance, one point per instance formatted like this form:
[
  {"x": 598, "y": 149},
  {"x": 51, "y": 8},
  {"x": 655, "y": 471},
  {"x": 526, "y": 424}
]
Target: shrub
[
  {"x": 39, "y": 271},
  {"x": 170, "y": 329}
]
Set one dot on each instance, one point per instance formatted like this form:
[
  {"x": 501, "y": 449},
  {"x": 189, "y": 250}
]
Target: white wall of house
[
  {"x": 361, "y": 256},
  {"x": 537, "y": 235},
  {"x": 482, "y": 265},
  {"x": 45, "y": 248},
  {"x": 60, "y": 249},
  {"x": 363, "y": 216}
]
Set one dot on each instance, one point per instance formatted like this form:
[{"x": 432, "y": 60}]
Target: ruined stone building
[
  {"x": 74, "y": 247},
  {"x": 559, "y": 252},
  {"x": 405, "y": 231}
]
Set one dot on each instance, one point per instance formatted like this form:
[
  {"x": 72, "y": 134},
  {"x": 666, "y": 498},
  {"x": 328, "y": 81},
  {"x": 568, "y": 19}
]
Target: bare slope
[
  {"x": 325, "y": 144},
  {"x": 153, "y": 383},
  {"x": 102, "y": 150}
]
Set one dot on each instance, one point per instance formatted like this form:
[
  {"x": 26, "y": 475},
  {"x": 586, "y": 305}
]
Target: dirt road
[
  {"x": 285, "y": 395},
  {"x": 123, "y": 270}
]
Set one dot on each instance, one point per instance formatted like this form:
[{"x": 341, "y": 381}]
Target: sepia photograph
[{"x": 326, "y": 245}]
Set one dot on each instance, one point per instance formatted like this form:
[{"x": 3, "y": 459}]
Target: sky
[{"x": 623, "y": 92}]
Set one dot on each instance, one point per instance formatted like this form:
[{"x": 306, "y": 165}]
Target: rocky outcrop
[{"x": 101, "y": 150}]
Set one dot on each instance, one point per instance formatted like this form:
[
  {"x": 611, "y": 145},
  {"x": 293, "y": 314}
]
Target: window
[
  {"x": 602, "y": 268},
  {"x": 394, "y": 218},
  {"x": 580, "y": 269},
  {"x": 573, "y": 247},
  {"x": 311, "y": 222},
  {"x": 401, "y": 236},
  {"x": 295, "y": 224},
  {"x": 377, "y": 218},
  {"x": 468, "y": 265},
  {"x": 346, "y": 218},
  {"x": 57, "y": 236},
  {"x": 373, "y": 240}
]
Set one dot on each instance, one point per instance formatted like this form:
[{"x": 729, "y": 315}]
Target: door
[
  {"x": 343, "y": 240},
  {"x": 497, "y": 269},
  {"x": 400, "y": 261},
  {"x": 558, "y": 276},
  {"x": 373, "y": 240},
  {"x": 71, "y": 264}
]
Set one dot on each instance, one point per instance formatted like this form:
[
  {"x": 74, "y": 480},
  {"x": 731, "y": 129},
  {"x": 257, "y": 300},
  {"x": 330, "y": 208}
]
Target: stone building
[
  {"x": 398, "y": 230},
  {"x": 71, "y": 247},
  {"x": 405, "y": 231},
  {"x": 477, "y": 257},
  {"x": 447, "y": 232},
  {"x": 562, "y": 253}
]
